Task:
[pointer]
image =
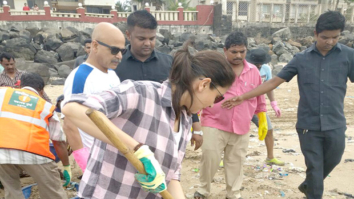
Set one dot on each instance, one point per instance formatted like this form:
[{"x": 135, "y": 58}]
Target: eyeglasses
[
  {"x": 218, "y": 98},
  {"x": 114, "y": 50}
]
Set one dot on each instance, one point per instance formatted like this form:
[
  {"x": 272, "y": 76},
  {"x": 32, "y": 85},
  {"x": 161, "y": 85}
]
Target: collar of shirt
[
  {"x": 31, "y": 89},
  {"x": 314, "y": 48},
  {"x": 247, "y": 67},
  {"x": 129, "y": 55}
]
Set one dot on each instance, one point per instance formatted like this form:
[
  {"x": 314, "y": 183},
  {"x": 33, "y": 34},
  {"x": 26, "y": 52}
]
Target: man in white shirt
[{"x": 94, "y": 75}]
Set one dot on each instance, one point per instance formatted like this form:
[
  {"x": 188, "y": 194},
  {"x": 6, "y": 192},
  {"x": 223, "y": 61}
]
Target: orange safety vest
[{"x": 24, "y": 119}]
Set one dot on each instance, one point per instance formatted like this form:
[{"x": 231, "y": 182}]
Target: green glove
[
  {"x": 154, "y": 181},
  {"x": 67, "y": 175},
  {"x": 262, "y": 125}
]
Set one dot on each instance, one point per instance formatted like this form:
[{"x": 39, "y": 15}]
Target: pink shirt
[{"x": 238, "y": 119}]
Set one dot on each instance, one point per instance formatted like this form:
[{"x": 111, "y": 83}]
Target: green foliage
[
  {"x": 173, "y": 5},
  {"x": 123, "y": 6}
]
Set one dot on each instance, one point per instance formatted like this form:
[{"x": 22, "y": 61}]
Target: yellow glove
[{"x": 262, "y": 125}]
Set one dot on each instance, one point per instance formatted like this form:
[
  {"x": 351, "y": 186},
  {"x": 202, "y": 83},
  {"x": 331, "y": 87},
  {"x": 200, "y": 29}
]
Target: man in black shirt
[{"x": 142, "y": 62}]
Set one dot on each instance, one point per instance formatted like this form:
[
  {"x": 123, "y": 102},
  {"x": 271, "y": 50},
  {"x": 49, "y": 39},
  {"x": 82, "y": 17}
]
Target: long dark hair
[{"x": 186, "y": 68}]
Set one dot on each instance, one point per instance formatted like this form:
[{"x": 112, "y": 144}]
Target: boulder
[
  {"x": 276, "y": 70},
  {"x": 158, "y": 43},
  {"x": 26, "y": 35},
  {"x": 164, "y": 49},
  {"x": 274, "y": 60},
  {"x": 264, "y": 46},
  {"x": 160, "y": 37},
  {"x": 33, "y": 30},
  {"x": 4, "y": 35},
  {"x": 68, "y": 51},
  {"x": 52, "y": 43},
  {"x": 64, "y": 71},
  {"x": 67, "y": 35},
  {"x": 284, "y": 34},
  {"x": 20, "y": 47},
  {"x": 294, "y": 50},
  {"x": 185, "y": 36},
  {"x": 251, "y": 42},
  {"x": 13, "y": 35},
  {"x": 87, "y": 32},
  {"x": 41, "y": 68},
  {"x": 279, "y": 48},
  {"x": 303, "y": 48},
  {"x": 287, "y": 45},
  {"x": 58, "y": 81},
  {"x": 307, "y": 41},
  {"x": 294, "y": 43},
  {"x": 53, "y": 72},
  {"x": 49, "y": 57},
  {"x": 285, "y": 57}
]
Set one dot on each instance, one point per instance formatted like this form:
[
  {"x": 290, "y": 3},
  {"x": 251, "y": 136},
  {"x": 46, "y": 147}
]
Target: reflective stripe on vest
[{"x": 24, "y": 117}]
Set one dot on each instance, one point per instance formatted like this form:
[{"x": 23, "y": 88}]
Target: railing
[
  {"x": 99, "y": 15},
  {"x": 123, "y": 14},
  {"x": 190, "y": 15},
  {"x": 69, "y": 15},
  {"x": 165, "y": 15},
  {"x": 31, "y": 12}
]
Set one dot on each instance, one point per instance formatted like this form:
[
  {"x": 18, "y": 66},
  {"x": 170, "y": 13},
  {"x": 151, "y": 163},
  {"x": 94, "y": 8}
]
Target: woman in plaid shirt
[{"x": 155, "y": 114}]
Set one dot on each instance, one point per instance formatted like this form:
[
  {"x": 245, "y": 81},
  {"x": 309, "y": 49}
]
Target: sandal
[{"x": 198, "y": 195}]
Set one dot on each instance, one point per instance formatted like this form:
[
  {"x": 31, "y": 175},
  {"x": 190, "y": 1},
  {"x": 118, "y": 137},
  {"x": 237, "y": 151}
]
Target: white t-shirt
[{"x": 88, "y": 79}]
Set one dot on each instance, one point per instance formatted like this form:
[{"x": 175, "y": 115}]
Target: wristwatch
[{"x": 198, "y": 132}]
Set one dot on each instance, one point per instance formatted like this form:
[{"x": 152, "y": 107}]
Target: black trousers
[{"x": 323, "y": 151}]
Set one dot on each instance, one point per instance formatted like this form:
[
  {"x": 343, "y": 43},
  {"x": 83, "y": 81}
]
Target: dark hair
[
  {"x": 87, "y": 41},
  {"x": 32, "y": 80},
  {"x": 142, "y": 19},
  {"x": 186, "y": 68},
  {"x": 235, "y": 38},
  {"x": 7, "y": 56},
  {"x": 330, "y": 20}
]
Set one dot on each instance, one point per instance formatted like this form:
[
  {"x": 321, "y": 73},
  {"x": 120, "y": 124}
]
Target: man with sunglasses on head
[
  {"x": 143, "y": 62},
  {"x": 93, "y": 76},
  {"x": 226, "y": 130}
]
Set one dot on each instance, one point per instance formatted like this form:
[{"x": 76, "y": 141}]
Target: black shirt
[
  {"x": 322, "y": 82},
  {"x": 156, "y": 68}
]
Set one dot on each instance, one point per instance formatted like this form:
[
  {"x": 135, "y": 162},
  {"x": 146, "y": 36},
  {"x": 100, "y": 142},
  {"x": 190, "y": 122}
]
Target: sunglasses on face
[
  {"x": 218, "y": 98},
  {"x": 114, "y": 50}
]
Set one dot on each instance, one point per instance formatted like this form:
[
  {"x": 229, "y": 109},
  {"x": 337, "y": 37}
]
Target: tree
[{"x": 123, "y": 6}]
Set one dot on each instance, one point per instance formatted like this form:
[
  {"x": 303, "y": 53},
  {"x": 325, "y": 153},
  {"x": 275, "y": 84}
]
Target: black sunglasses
[
  {"x": 218, "y": 98},
  {"x": 114, "y": 50}
]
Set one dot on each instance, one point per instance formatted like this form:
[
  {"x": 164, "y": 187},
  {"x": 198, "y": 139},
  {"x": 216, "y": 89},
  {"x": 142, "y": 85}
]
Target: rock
[
  {"x": 20, "y": 47},
  {"x": 345, "y": 32},
  {"x": 158, "y": 43},
  {"x": 13, "y": 35},
  {"x": 68, "y": 51},
  {"x": 307, "y": 41},
  {"x": 184, "y": 37},
  {"x": 52, "y": 43},
  {"x": 49, "y": 57},
  {"x": 87, "y": 32},
  {"x": 164, "y": 49},
  {"x": 343, "y": 40},
  {"x": 53, "y": 72},
  {"x": 173, "y": 52},
  {"x": 36, "y": 46},
  {"x": 303, "y": 48},
  {"x": 285, "y": 57},
  {"x": 199, "y": 45},
  {"x": 220, "y": 45},
  {"x": 80, "y": 52},
  {"x": 274, "y": 60},
  {"x": 4, "y": 35},
  {"x": 278, "y": 48},
  {"x": 276, "y": 70},
  {"x": 166, "y": 34},
  {"x": 251, "y": 41},
  {"x": 58, "y": 81},
  {"x": 14, "y": 29},
  {"x": 26, "y": 35},
  {"x": 350, "y": 37},
  {"x": 294, "y": 50},
  {"x": 214, "y": 38},
  {"x": 41, "y": 68},
  {"x": 294, "y": 43},
  {"x": 284, "y": 34},
  {"x": 64, "y": 71},
  {"x": 160, "y": 37},
  {"x": 67, "y": 35},
  {"x": 264, "y": 46},
  {"x": 33, "y": 30},
  {"x": 287, "y": 45}
]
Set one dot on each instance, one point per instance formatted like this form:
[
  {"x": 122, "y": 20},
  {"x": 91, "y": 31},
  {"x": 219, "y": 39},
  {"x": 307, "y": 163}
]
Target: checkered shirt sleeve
[{"x": 144, "y": 111}]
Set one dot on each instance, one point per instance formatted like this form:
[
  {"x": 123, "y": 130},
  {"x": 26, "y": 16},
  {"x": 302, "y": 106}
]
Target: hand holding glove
[
  {"x": 81, "y": 157},
  {"x": 67, "y": 175},
  {"x": 275, "y": 107},
  {"x": 262, "y": 125},
  {"x": 154, "y": 181}
]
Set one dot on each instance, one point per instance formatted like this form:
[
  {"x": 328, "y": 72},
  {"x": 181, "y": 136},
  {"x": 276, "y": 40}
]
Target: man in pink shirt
[{"x": 226, "y": 129}]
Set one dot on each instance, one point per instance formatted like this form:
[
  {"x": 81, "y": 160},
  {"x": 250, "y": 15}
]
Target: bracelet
[
  {"x": 137, "y": 147},
  {"x": 198, "y": 132}
]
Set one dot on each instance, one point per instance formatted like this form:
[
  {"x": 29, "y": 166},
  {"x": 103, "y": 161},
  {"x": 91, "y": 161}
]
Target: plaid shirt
[
  {"x": 12, "y": 156},
  {"x": 5, "y": 80},
  {"x": 143, "y": 110}
]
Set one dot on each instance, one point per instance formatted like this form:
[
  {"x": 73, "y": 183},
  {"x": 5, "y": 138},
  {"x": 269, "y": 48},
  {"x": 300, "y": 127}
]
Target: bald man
[{"x": 93, "y": 76}]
